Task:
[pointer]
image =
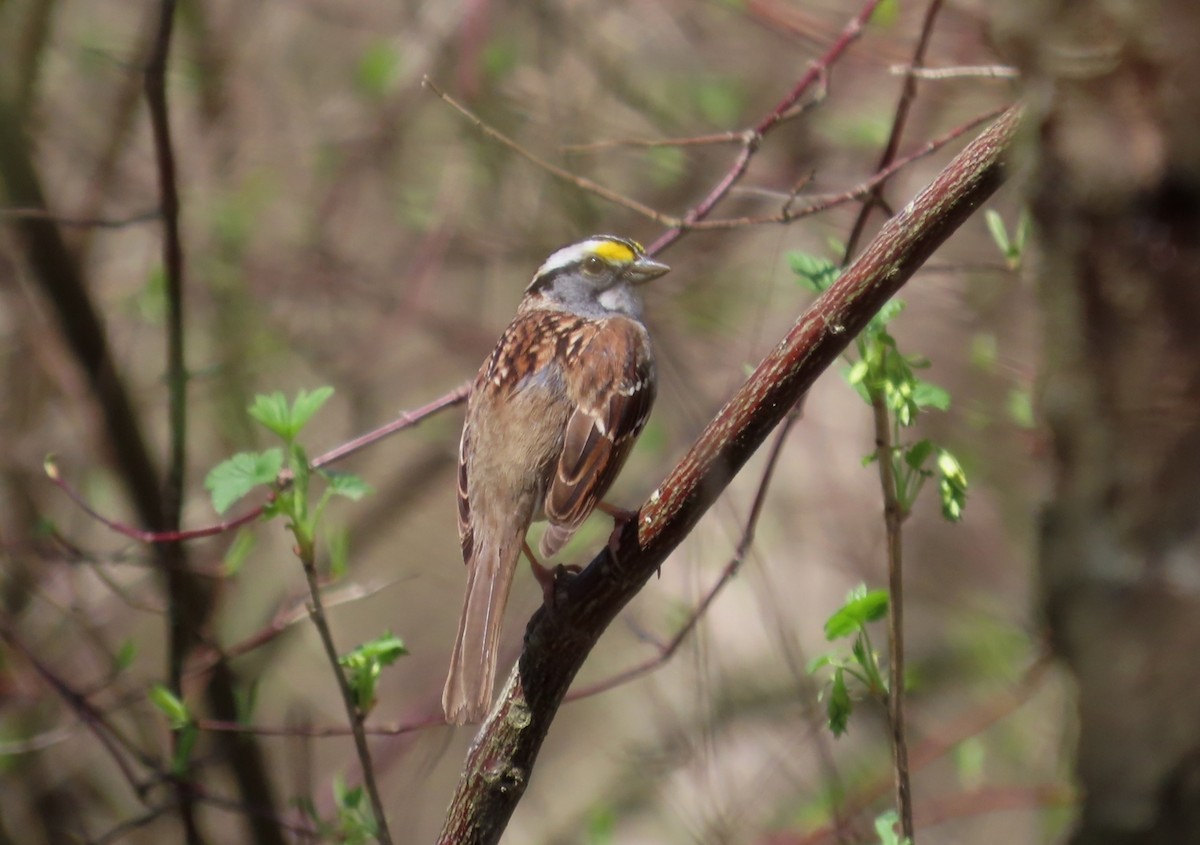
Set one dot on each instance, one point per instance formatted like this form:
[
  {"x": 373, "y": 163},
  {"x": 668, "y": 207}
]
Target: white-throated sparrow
[{"x": 552, "y": 416}]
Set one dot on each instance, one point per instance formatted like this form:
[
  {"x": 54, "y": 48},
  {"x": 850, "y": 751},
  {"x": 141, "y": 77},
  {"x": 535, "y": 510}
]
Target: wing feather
[{"x": 612, "y": 400}]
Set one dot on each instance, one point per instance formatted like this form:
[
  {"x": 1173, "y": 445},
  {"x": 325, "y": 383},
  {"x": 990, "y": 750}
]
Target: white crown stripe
[{"x": 574, "y": 253}]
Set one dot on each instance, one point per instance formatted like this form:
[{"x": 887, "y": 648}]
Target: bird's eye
[{"x": 593, "y": 266}]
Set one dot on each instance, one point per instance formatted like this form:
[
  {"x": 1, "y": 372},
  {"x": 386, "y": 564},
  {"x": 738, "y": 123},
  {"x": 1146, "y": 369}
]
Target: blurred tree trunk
[{"x": 1115, "y": 190}]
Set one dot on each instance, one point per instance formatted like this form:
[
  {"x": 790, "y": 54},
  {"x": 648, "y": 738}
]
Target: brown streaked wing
[
  {"x": 612, "y": 395},
  {"x": 466, "y": 533}
]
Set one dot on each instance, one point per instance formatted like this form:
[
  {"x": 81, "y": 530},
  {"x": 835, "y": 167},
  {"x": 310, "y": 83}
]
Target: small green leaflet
[
  {"x": 860, "y": 608},
  {"x": 232, "y": 479}
]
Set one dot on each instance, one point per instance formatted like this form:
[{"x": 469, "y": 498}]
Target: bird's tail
[{"x": 468, "y": 691}]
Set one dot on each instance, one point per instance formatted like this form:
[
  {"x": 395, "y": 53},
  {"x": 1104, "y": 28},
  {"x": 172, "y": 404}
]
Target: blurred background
[{"x": 343, "y": 226}]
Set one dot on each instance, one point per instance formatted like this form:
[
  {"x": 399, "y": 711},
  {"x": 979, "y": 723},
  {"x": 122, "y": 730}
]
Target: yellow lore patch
[{"x": 614, "y": 251}]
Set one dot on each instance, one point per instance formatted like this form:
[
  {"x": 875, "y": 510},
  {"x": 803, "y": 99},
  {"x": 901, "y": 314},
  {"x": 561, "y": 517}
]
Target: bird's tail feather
[{"x": 468, "y": 692}]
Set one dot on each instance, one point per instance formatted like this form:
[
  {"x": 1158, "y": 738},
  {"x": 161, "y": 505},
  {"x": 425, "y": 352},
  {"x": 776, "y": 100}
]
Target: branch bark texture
[{"x": 559, "y": 639}]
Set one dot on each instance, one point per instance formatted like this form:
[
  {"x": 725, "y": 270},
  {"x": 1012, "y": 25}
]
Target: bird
[{"x": 552, "y": 415}]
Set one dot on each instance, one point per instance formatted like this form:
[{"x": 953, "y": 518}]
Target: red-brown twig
[
  {"x": 814, "y": 204},
  {"x": 562, "y": 173},
  {"x": 406, "y": 420},
  {"x": 656, "y": 143},
  {"x": 753, "y": 137},
  {"x": 667, "y": 650}
]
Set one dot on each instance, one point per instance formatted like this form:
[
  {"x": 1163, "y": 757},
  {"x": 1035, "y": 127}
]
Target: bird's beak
[{"x": 645, "y": 269}]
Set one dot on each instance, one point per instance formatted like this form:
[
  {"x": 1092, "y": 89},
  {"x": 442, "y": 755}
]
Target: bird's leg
[
  {"x": 548, "y": 577},
  {"x": 621, "y": 517}
]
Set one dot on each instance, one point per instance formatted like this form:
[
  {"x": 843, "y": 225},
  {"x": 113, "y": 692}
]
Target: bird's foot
[
  {"x": 621, "y": 517},
  {"x": 553, "y": 579}
]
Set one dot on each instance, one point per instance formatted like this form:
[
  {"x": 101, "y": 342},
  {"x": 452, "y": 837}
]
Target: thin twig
[
  {"x": 817, "y": 203},
  {"x": 816, "y": 73},
  {"x": 956, "y": 72},
  {"x": 893, "y": 516},
  {"x": 352, "y": 711},
  {"x": 321, "y": 731},
  {"x": 406, "y": 420},
  {"x": 172, "y": 256},
  {"x": 908, "y": 93},
  {"x": 122, "y": 829},
  {"x": 139, "y": 534},
  {"x": 655, "y": 143},
  {"x": 668, "y": 649},
  {"x": 81, "y": 222},
  {"x": 108, "y": 736},
  {"x": 562, "y": 173},
  {"x": 185, "y": 607},
  {"x": 954, "y": 733}
]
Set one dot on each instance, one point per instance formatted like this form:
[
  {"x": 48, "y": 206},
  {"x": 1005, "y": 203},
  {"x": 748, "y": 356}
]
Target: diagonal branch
[{"x": 559, "y": 639}]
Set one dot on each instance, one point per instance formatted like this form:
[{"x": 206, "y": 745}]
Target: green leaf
[
  {"x": 998, "y": 231},
  {"x": 378, "y": 69},
  {"x": 171, "y": 706},
  {"x": 343, "y": 797},
  {"x": 1024, "y": 224},
  {"x": 355, "y": 824},
  {"x": 862, "y": 607},
  {"x": 125, "y": 655},
  {"x": 239, "y": 550},
  {"x": 858, "y": 372},
  {"x": 501, "y": 57},
  {"x": 984, "y": 351},
  {"x": 862, "y": 657},
  {"x": 245, "y": 700},
  {"x": 185, "y": 742},
  {"x": 885, "y": 14},
  {"x": 1020, "y": 408},
  {"x": 364, "y": 665},
  {"x": 818, "y": 663},
  {"x": 926, "y": 395},
  {"x": 307, "y": 807},
  {"x": 970, "y": 755},
  {"x": 385, "y": 649},
  {"x": 916, "y": 454},
  {"x": 232, "y": 479},
  {"x": 668, "y": 166},
  {"x": 885, "y": 828},
  {"x": 601, "y": 825},
  {"x": 347, "y": 484},
  {"x": 272, "y": 411},
  {"x": 339, "y": 552},
  {"x": 306, "y": 404},
  {"x": 952, "y": 486},
  {"x": 890, "y": 310},
  {"x": 839, "y": 706},
  {"x": 814, "y": 272},
  {"x": 151, "y": 300},
  {"x": 719, "y": 100}
]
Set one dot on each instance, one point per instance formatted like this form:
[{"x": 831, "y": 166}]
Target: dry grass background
[{"x": 342, "y": 226}]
